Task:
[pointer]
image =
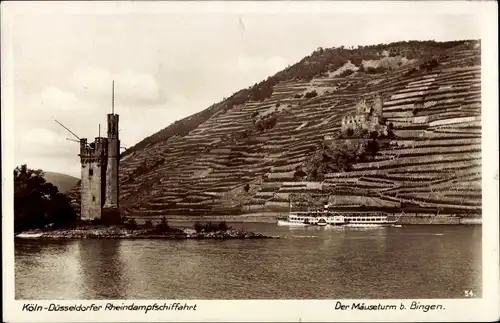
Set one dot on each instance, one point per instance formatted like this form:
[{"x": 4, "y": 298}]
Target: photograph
[{"x": 248, "y": 151}]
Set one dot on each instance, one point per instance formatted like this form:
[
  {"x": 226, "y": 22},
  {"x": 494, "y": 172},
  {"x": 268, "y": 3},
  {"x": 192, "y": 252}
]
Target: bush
[
  {"x": 162, "y": 226},
  {"x": 311, "y": 94},
  {"x": 430, "y": 64},
  {"x": 346, "y": 73},
  {"x": 266, "y": 123},
  {"x": 375, "y": 70},
  {"x": 372, "y": 148},
  {"x": 198, "y": 227},
  {"x": 223, "y": 226},
  {"x": 148, "y": 224},
  {"x": 131, "y": 224},
  {"x": 247, "y": 187},
  {"x": 297, "y": 96},
  {"x": 299, "y": 174},
  {"x": 210, "y": 226}
]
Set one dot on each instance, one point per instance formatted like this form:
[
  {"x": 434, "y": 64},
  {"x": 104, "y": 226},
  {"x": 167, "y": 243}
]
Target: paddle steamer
[{"x": 340, "y": 218}]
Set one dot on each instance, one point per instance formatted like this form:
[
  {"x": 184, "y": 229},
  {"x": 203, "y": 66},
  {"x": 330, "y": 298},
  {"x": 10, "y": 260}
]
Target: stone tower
[
  {"x": 111, "y": 205},
  {"x": 99, "y": 182},
  {"x": 377, "y": 112},
  {"x": 378, "y": 106},
  {"x": 111, "y": 210},
  {"x": 94, "y": 162}
]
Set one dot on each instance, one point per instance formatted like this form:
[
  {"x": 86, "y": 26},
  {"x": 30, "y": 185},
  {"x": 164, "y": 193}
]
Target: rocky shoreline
[
  {"x": 124, "y": 233},
  {"x": 271, "y": 217}
]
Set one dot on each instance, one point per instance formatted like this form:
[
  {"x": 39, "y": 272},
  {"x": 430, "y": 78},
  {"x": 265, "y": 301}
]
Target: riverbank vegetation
[{"x": 37, "y": 203}]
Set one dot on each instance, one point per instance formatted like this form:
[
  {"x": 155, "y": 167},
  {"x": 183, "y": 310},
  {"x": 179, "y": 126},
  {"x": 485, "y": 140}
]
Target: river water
[{"x": 430, "y": 261}]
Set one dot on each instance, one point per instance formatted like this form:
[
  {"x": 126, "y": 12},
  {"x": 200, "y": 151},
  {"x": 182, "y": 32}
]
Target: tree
[
  {"x": 345, "y": 154},
  {"x": 372, "y": 148},
  {"x": 336, "y": 158},
  {"x": 163, "y": 226},
  {"x": 223, "y": 226},
  {"x": 38, "y": 203},
  {"x": 374, "y": 135}
]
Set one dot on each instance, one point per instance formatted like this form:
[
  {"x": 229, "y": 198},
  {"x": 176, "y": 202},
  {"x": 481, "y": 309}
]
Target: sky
[{"x": 168, "y": 64}]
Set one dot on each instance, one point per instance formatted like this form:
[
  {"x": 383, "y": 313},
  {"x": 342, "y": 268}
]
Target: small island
[
  {"x": 130, "y": 230},
  {"x": 42, "y": 212}
]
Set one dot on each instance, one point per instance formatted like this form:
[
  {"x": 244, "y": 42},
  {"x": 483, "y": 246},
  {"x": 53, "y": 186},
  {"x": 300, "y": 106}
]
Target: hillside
[
  {"x": 246, "y": 154},
  {"x": 63, "y": 182}
]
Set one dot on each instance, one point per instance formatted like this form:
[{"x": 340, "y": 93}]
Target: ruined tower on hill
[
  {"x": 369, "y": 117},
  {"x": 99, "y": 181}
]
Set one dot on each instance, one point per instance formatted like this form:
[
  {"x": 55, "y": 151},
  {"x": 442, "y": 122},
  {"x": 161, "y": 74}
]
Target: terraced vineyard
[{"x": 242, "y": 158}]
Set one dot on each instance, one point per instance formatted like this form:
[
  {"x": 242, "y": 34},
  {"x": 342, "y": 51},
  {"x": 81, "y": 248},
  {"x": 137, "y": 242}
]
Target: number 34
[{"x": 469, "y": 293}]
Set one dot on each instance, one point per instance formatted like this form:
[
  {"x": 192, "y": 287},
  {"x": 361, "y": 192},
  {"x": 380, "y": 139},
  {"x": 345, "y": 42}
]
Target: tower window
[
  {"x": 93, "y": 198},
  {"x": 91, "y": 172}
]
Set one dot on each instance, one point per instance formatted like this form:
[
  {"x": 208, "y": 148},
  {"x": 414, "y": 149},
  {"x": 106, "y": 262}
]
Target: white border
[{"x": 485, "y": 309}]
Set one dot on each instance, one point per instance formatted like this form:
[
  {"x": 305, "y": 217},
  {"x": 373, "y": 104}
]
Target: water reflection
[
  {"x": 38, "y": 263},
  {"x": 101, "y": 268}
]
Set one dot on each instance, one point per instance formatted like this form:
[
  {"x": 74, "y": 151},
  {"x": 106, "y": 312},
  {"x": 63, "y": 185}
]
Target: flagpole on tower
[{"x": 113, "y": 99}]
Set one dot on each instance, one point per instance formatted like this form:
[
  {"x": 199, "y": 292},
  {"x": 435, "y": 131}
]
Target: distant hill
[
  {"x": 250, "y": 152},
  {"x": 63, "y": 182}
]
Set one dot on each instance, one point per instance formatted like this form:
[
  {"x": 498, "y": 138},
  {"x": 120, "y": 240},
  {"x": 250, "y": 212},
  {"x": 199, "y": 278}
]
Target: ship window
[{"x": 91, "y": 172}]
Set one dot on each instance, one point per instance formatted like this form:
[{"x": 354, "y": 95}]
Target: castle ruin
[
  {"x": 99, "y": 175},
  {"x": 368, "y": 118}
]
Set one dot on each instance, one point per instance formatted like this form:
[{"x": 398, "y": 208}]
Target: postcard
[{"x": 322, "y": 161}]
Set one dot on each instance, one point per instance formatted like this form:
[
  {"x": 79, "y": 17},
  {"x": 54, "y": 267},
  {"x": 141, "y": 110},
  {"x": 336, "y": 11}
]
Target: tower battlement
[{"x": 97, "y": 150}]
